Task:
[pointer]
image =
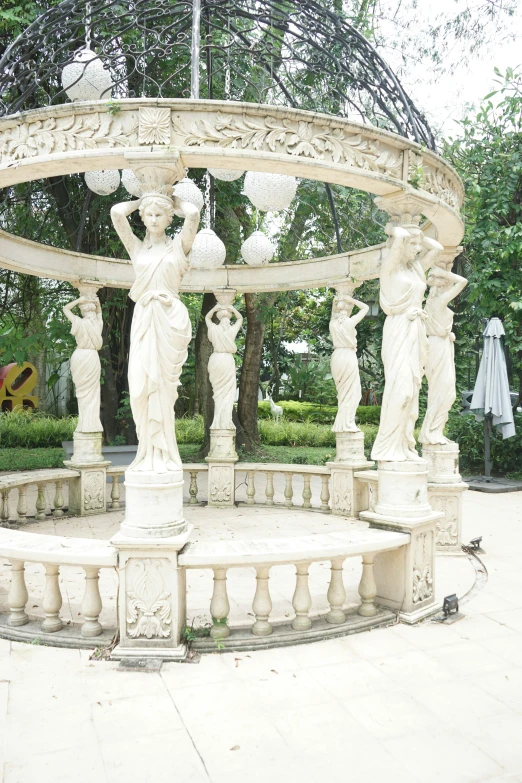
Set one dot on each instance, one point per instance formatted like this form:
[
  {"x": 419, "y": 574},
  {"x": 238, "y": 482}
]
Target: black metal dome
[{"x": 291, "y": 52}]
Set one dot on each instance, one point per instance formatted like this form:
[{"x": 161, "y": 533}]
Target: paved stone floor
[{"x": 428, "y": 703}]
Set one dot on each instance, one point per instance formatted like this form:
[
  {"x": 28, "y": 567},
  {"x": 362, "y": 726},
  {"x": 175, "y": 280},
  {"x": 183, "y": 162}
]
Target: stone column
[
  {"x": 349, "y": 453},
  {"x": 445, "y": 489},
  {"x": 222, "y": 456},
  {"x": 152, "y": 589},
  {"x": 87, "y": 493},
  {"x": 405, "y": 578}
]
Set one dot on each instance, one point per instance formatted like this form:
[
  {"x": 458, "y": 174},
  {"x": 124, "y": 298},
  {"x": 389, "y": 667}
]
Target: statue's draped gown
[
  {"x": 404, "y": 353},
  {"x": 222, "y": 374},
  {"x": 160, "y": 336},
  {"x": 86, "y": 371},
  {"x": 345, "y": 372},
  {"x": 440, "y": 372}
]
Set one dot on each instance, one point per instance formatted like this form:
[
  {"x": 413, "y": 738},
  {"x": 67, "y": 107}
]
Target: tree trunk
[
  {"x": 250, "y": 372},
  {"x": 203, "y": 352},
  {"x": 109, "y": 391}
]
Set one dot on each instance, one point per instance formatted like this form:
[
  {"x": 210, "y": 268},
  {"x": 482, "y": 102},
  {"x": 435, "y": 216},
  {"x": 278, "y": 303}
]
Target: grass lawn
[{"x": 33, "y": 459}]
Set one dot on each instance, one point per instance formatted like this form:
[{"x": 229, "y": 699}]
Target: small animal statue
[{"x": 275, "y": 410}]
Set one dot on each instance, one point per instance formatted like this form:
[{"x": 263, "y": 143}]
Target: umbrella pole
[{"x": 487, "y": 438}]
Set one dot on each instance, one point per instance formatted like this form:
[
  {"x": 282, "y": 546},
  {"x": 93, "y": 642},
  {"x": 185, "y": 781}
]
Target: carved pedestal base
[
  {"x": 221, "y": 460},
  {"x": 152, "y": 598},
  {"x": 445, "y": 488},
  {"x": 348, "y": 496},
  {"x": 87, "y": 493},
  {"x": 222, "y": 445},
  {"x": 153, "y": 505},
  {"x": 443, "y": 463},
  {"x": 349, "y": 448},
  {"x": 87, "y": 448},
  {"x": 405, "y": 577}
]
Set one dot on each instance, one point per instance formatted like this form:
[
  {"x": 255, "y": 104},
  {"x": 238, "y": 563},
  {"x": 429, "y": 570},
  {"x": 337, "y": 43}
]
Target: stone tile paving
[{"x": 405, "y": 704}]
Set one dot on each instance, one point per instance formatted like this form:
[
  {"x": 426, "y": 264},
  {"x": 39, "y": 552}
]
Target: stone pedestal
[
  {"x": 87, "y": 493},
  {"x": 445, "y": 488},
  {"x": 87, "y": 448},
  {"x": 405, "y": 577},
  {"x": 346, "y": 493},
  {"x": 153, "y": 505},
  {"x": 221, "y": 461},
  {"x": 152, "y": 598}
]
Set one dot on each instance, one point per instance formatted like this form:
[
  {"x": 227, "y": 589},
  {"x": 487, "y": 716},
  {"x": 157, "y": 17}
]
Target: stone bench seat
[
  {"x": 327, "y": 546},
  {"x": 57, "y": 550}
]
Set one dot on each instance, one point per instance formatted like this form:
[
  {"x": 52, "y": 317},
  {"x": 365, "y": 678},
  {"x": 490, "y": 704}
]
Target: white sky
[{"x": 445, "y": 99}]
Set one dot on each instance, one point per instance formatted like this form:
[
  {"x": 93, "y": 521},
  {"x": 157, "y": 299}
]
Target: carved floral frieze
[
  {"x": 447, "y": 526},
  {"x": 221, "y": 484},
  {"x": 154, "y": 126},
  {"x": 425, "y": 176},
  {"x": 298, "y": 138},
  {"x": 94, "y": 491},
  {"x": 67, "y": 134},
  {"x": 422, "y": 568},
  {"x": 148, "y": 599}
]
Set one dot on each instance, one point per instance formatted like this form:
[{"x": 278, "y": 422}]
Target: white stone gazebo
[{"x": 393, "y": 517}]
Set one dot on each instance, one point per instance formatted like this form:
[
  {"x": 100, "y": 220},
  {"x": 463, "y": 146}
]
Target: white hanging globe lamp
[
  {"x": 208, "y": 251},
  {"x": 131, "y": 182},
  {"x": 270, "y": 192},
  {"x": 86, "y": 79},
  {"x": 186, "y": 190},
  {"x": 226, "y": 175},
  {"x": 257, "y": 250},
  {"x": 103, "y": 182}
]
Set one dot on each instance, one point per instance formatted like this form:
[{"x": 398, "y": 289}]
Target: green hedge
[
  {"x": 32, "y": 430},
  {"x": 323, "y": 414}
]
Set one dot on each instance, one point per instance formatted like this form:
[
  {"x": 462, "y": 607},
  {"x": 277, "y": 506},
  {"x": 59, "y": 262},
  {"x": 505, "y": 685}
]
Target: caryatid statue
[
  {"x": 161, "y": 329},
  {"x": 344, "y": 365},
  {"x": 404, "y": 342},
  {"x": 440, "y": 367},
  {"x": 85, "y": 362},
  {"x": 221, "y": 365}
]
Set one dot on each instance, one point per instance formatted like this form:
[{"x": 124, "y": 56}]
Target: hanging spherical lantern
[
  {"x": 186, "y": 190},
  {"x": 270, "y": 192},
  {"x": 86, "y": 79},
  {"x": 103, "y": 182},
  {"x": 208, "y": 251},
  {"x": 226, "y": 175},
  {"x": 131, "y": 182},
  {"x": 257, "y": 249}
]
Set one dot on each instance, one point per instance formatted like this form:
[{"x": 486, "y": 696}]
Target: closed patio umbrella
[{"x": 491, "y": 397}]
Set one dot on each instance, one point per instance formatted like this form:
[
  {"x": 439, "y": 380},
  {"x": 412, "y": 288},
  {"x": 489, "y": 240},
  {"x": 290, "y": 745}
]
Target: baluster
[
  {"x": 193, "y": 489},
  {"x": 269, "y": 492},
  {"x": 92, "y": 603},
  {"x": 307, "y": 492},
  {"x": 52, "y": 600},
  {"x": 4, "y": 512},
  {"x": 21, "y": 508},
  {"x": 262, "y": 603},
  {"x": 219, "y": 605},
  {"x": 17, "y": 597},
  {"x": 289, "y": 492},
  {"x": 115, "y": 492},
  {"x": 325, "y": 493},
  {"x": 58, "y": 500},
  {"x": 41, "y": 502},
  {"x": 251, "y": 489},
  {"x": 336, "y": 593},
  {"x": 367, "y": 588},
  {"x": 302, "y": 600}
]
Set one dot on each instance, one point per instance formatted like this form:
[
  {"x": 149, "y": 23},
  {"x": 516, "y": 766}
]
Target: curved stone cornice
[{"x": 77, "y": 137}]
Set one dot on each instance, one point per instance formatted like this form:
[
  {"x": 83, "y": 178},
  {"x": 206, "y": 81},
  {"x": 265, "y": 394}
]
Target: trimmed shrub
[
  {"x": 31, "y": 429},
  {"x": 506, "y": 455},
  {"x": 321, "y": 414}
]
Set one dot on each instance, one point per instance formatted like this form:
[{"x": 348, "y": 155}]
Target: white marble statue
[
  {"x": 85, "y": 362},
  {"x": 161, "y": 329},
  {"x": 221, "y": 365},
  {"x": 440, "y": 367},
  {"x": 404, "y": 341},
  {"x": 344, "y": 365}
]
